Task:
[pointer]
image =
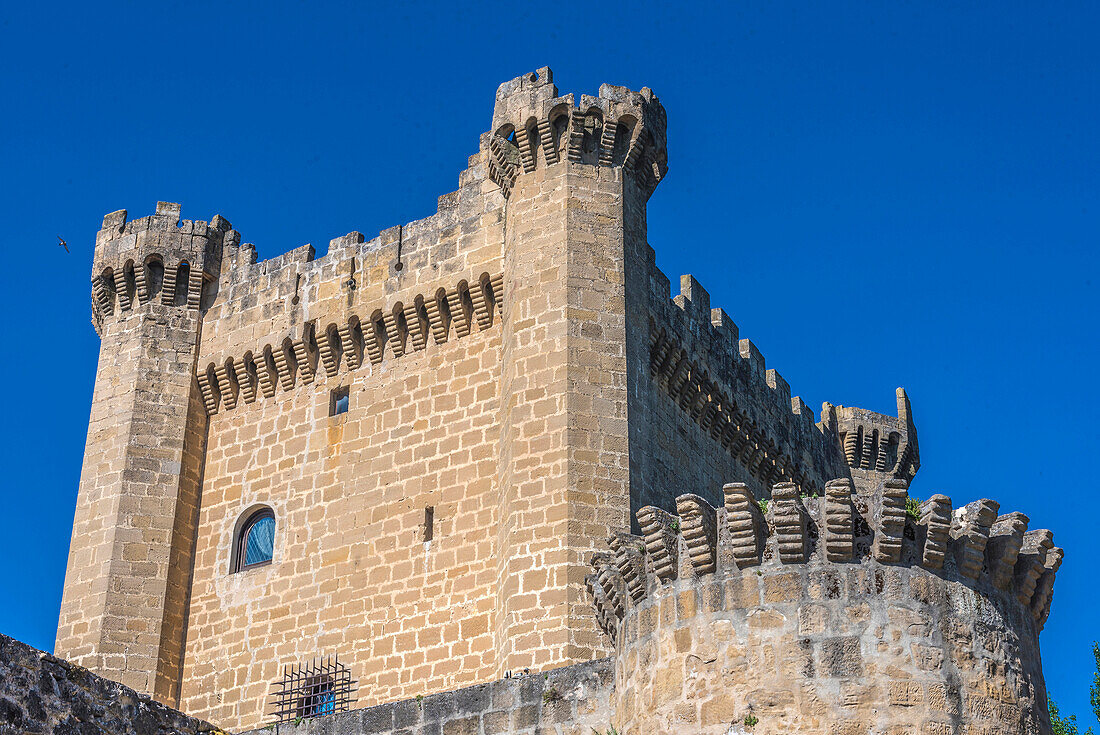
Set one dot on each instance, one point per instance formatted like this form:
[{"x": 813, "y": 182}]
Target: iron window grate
[{"x": 319, "y": 687}]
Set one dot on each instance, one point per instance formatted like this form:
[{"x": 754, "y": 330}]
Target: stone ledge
[{"x": 557, "y": 701}]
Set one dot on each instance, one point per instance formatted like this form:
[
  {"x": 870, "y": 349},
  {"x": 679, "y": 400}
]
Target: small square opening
[{"x": 338, "y": 402}]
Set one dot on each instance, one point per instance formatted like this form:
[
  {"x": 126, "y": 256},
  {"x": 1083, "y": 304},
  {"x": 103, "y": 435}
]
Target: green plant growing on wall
[
  {"x": 912, "y": 508},
  {"x": 763, "y": 506},
  {"x": 751, "y": 721},
  {"x": 610, "y": 731},
  {"x": 550, "y": 694}
]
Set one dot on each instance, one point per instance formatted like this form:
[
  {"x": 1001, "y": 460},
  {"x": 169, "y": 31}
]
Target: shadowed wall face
[{"x": 40, "y": 693}]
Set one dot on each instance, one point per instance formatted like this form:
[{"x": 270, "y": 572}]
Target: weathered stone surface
[
  {"x": 813, "y": 640},
  {"x": 935, "y": 517},
  {"x": 839, "y": 522},
  {"x": 43, "y": 694},
  {"x": 572, "y": 699}
]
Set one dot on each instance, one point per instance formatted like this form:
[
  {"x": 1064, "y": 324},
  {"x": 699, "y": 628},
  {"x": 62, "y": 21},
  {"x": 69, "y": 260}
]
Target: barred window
[{"x": 312, "y": 689}]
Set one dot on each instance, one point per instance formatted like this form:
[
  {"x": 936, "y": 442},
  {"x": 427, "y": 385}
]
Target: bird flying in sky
[{"x": 62, "y": 243}]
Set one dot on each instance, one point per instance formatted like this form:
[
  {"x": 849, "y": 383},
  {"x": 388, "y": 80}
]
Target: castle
[{"x": 492, "y": 441}]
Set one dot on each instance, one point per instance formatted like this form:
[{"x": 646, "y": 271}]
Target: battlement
[
  {"x": 721, "y": 381},
  {"x": 846, "y": 589},
  {"x": 876, "y": 443},
  {"x": 406, "y": 326},
  {"x": 535, "y": 127},
  {"x": 156, "y": 259},
  {"x": 994, "y": 555}
]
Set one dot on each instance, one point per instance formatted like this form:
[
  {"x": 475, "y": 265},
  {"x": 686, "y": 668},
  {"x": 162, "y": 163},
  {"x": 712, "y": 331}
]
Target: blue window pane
[
  {"x": 327, "y": 703},
  {"x": 261, "y": 541}
]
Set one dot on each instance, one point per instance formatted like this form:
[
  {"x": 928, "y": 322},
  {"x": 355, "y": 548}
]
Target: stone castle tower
[{"x": 449, "y": 421}]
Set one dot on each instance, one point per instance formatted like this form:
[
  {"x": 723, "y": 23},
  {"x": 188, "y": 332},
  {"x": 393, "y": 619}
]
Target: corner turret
[
  {"x": 157, "y": 258},
  {"x": 875, "y": 446},
  {"x": 534, "y": 127},
  {"x": 128, "y": 575}
]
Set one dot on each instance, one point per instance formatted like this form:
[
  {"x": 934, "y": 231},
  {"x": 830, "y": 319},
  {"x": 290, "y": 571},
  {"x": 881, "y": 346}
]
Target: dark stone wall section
[
  {"x": 40, "y": 693},
  {"x": 566, "y": 700}
]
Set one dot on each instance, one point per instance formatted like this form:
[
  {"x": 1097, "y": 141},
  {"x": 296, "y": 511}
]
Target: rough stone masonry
[{"x": 545, "y": 460}]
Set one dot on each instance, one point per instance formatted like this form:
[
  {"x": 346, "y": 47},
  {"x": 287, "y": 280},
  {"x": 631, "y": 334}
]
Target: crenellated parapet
[
  {"x": 533, "y": 127},
  {"x": 721, "y": 382},
  {"x": 156, "y": 259},
  {"x": 850, "y": 608},
  {"x": 698, "y": 360},
  {"x": 400, "y": 327},
  {"x": 973, "y": 545}
]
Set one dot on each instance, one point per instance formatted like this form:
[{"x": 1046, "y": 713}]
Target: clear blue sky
[{"x": 879, "y": 194}]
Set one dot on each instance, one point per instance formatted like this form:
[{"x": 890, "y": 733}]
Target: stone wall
[
  {"x": 840, "y": 614},
  {"x": 410, "y": 324},
  {"x": 43, "y": 694},
  {"x": 564, "y": 701}
]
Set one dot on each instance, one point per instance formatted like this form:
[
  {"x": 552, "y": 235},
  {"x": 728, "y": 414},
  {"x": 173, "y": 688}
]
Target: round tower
[
  {"x": 847, "y": 613},
  {"x": 123, "y": 606}
]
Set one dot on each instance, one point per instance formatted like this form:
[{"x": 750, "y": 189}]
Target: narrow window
[
  {"x": 183, "y": 280},
  {"x": 339, "y": 401},
  {"x": 209, "y": 293},
  {"x": 429, "y": 524},
  {"x": 256, "y": 543},
  {"x": 154, "y": 276}
]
